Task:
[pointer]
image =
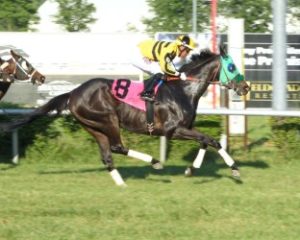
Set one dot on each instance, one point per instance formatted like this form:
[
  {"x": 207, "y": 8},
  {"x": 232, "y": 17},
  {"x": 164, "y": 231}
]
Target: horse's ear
[
  {"x": 222, "y": 50},
  {"x": 14, "y": 54}
]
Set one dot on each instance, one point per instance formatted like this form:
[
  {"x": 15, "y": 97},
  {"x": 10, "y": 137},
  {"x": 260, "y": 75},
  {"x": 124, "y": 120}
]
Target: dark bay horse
[
  {"x": 17, "y": 68},
  {"x": 102, "y": 115}
]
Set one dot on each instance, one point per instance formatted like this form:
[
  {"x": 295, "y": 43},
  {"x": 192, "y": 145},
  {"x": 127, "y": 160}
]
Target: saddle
[{"x": 128, "y": 91}]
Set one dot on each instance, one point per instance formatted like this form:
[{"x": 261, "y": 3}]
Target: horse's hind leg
[
  {"x": 117, "y": 147},
  {"x": 138, "y": 155},
  {"x": 105, "y": 151}
]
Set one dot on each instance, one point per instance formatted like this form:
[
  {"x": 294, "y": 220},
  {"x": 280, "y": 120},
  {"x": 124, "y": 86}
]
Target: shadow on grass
[
  {"x": 208, "y": 169},
  {"x": 258, "y": 143},
  {"x": 72, "y": 171},
  {"x": 7, "y": 167},
  {"x": 6, "y": 159}
]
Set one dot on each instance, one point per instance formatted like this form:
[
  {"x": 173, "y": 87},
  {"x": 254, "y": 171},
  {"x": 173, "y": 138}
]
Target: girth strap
[{"x": 150, "y": 116}]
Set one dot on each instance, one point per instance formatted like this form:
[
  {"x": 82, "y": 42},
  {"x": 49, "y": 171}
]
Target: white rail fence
[{"x": 163, "y": 141}]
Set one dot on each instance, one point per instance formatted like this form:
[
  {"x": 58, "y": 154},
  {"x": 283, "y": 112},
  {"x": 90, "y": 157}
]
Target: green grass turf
[{"x": 45, "y": 200}]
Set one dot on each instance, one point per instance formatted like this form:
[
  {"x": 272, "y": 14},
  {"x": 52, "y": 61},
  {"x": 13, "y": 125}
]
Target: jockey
[{"x": 161, "y": 58}]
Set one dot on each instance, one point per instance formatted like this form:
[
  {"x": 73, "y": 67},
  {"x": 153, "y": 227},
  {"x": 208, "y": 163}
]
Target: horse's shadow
[{"x": 209, "y": 170}]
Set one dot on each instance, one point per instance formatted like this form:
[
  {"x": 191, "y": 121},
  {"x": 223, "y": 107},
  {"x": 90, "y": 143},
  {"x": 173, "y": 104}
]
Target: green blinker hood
[{"x": 229, "y": 72}]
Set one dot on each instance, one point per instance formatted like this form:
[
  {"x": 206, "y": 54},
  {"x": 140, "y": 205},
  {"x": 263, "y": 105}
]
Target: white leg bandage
[
  {"x": 142, "y": 156},
  {"x": 199, "y": 159},
  {"x": 117, "y": 177},
  {"x": 229, "y": 161}
]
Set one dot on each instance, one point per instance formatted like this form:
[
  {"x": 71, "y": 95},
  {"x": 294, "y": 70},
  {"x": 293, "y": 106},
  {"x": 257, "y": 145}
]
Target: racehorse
[
  {"x": 102, "y": 115},
  {"x": 17, "y": 67}
]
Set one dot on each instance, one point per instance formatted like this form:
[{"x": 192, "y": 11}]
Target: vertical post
[
  {"x": 279, "y": 78},
  {"x": 237, "y": 124},
  {"x": 195, "y": 18},
  {"x": 213, "y": 25},
  {"x": 15, "y": 147}
]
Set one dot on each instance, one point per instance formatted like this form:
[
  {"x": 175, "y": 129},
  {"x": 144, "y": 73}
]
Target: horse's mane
[
  {"x": 203, "y": 56},
  {"x": 198, "y": 58}
]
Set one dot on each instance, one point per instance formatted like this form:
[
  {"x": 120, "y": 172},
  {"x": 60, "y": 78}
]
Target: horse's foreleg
[
  {"x": 230, "y": 162},
  {"x": 197, "y": 162},
  {"x": 193, "y": 134}
]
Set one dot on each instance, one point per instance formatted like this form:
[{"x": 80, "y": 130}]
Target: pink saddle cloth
[{"x": 128, "y": 91}]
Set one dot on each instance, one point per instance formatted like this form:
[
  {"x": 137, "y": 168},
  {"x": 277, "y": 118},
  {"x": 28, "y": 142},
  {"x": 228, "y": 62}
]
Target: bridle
[{"x": 27, "y": 74}]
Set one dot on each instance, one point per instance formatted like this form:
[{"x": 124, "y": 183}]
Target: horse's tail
[{"x": 57, "y": 104}]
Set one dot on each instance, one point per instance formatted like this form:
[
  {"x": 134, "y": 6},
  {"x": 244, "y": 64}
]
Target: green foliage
[
  {"x": 175, "y": 16},
  {"x": 293, "y": 9},
  {"x": 64, "y": 140},
  {"x": 18, "y": 14},
  {"x": 57, "y": 140},
  {"x": 286, "y": 134},
  {"x": 75, "y": 15},
  {"x": 257, "y": 14}
]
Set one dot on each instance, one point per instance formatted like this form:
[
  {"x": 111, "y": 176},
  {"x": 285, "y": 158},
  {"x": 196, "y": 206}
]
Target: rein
[{"x": 189, "y": 78}]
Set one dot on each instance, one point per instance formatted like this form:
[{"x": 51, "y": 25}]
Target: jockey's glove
[{"x": 182, "y": 76}]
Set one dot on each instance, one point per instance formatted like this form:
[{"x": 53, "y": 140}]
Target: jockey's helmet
[{"x": 186, "y": 41}]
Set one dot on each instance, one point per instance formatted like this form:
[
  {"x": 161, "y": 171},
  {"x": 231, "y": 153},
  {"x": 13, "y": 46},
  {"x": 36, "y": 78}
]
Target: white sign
[
  {"x": 77, "y": 53},
  {"x": 52, "y": 89}
]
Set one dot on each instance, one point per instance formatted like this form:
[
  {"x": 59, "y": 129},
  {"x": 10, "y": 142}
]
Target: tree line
[{"x": 166, "y": 15}]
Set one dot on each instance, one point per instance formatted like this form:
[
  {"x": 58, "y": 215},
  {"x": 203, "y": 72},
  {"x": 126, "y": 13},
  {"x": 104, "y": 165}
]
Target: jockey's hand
[
  {"x": 172, "y": 78},
  {"x": 182, "y": 76},
  {"x": 147, "y": 60}
]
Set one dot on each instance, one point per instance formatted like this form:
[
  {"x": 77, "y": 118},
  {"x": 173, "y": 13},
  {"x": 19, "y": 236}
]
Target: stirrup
[{"x": 148, "y": 97}]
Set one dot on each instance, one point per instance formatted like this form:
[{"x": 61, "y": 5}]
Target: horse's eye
[{"x": 231, "y": 67}]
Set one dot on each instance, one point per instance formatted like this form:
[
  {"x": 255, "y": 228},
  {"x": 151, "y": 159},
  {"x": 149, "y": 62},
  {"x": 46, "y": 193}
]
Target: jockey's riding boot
[{"x": 150, "y": 83}]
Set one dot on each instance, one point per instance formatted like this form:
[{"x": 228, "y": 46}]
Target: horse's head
[
  {"x": 19, "y": 68},
  {"x": 208, "y": 67},
  {"x": 230, "y": 76}
]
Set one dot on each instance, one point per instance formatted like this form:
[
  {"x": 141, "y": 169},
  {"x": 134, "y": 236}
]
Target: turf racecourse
[
  {"x": 81, "y": 202},
  {"x": 77, "y": 200}
]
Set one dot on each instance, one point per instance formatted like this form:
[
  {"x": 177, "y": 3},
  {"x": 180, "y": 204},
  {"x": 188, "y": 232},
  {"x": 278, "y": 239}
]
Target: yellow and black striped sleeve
[{"x": 166, "y": 55}]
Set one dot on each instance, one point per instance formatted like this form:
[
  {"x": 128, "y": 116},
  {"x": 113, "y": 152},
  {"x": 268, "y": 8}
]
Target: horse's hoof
[
  {"x": 157, "y": 165},
  {"x": 235, "y": 173},
  {"x": 189, "y": 172}
]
